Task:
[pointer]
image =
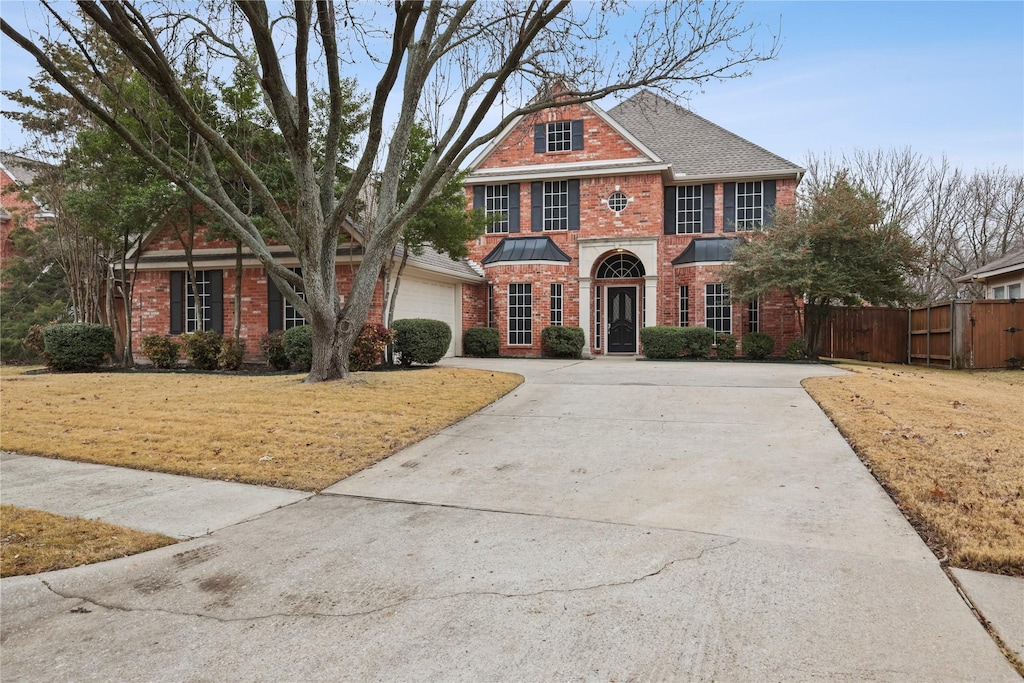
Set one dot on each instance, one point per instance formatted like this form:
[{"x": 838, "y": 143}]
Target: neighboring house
[
  {"x": 1002, "y": 278},
  {"x": 18, "y": 208},
  {"x": 616, "y": 220},
  {"x": 431, "y": 288}
]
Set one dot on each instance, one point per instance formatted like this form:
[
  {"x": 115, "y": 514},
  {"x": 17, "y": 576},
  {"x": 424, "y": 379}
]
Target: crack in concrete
[{"x": 398, "y": 603}]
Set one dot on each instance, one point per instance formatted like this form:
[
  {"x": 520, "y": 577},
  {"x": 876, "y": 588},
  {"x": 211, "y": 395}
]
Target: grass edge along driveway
[
  {"x": 948, "y": 446},
  {"x": 258, "y": 429}
]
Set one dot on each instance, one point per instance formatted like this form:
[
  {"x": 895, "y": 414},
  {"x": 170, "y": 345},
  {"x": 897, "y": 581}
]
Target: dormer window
[{"x": 558, "y": 136}]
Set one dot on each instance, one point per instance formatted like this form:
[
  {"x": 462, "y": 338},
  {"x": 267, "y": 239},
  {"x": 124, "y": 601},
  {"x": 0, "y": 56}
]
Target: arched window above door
[{"x": 620, "y": 266}]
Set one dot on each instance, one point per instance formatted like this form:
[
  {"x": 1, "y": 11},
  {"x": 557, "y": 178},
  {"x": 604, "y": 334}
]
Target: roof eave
[{"x": 672, "y": 177}]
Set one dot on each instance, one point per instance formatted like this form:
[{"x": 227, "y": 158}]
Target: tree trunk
[
  {"x": 332, "y": 342},
  {"x": 393, "y": 303}
]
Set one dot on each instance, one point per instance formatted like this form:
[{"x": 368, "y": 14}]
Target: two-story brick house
[{"x": 617, "y": 220}]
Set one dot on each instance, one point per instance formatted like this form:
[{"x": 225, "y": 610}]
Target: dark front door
[{"x": 621, "y": 320}]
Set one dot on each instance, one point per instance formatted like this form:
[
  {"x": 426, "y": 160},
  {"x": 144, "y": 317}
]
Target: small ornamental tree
[{"x": 835, "y": 248}]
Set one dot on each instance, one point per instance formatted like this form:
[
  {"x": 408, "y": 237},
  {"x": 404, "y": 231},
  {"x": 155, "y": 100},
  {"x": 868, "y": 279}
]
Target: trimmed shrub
[
  {"x": 232, "y": 354},
  {"x": 77, "y": 346},
  {"x": 202, "y": 348},
  {"x": 272, "y": 347},
  {"x": 662, "y": 342},
  {"x": 161, "y": 351},
  {"x": 562, "y": 341},
  {"x": 369, "y": 347},
  {"x": 726, "y": 346},
  {"x": 298, "y": 346},
  {"x": 758, "y": 345},
  {"x": 796, "y": 350},
  {"x": 697, "y": 341},
  {"x": 481, "y": 342},
  {"x": 421, "y": 340}
]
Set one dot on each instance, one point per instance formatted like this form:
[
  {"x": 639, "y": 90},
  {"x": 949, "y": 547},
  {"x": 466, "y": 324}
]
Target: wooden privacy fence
[{"x": 958, "y": 334}]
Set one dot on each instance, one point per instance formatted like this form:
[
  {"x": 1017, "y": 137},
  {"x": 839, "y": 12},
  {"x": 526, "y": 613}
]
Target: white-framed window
[
  {"x": 1013, "y": 291},
  {"x": 556, "y": 303},
  {"x": 754, "y": 316},
  {"x": 689, "y": 208},
  {"x": 520, "y": 314},
  {"x": 684, "y": 305},
  {"x": 749, "y": 205},
  {"x": 556, "y": 205},
  {"x": 617, "y": 201},
  {"x": 291, "y": 317},
  {"x": 197, "y": 313},
  {"x": 559, "y": 136},
  {"x": 717, "y": 308},
  {"x": 496, "y": 204},
  {"x": 597, "y": 317}
]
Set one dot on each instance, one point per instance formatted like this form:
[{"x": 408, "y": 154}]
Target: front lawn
[
  {"x": 949, "y": 447},
  {"x": 270, "y": 429},
  {"x": 32, "y": 541}
]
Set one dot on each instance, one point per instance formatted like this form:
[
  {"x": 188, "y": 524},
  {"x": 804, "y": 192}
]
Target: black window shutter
[
  {"x": 729, "y": 207},
  {"x": 216, "y": 321},
  {"x": 513, "y": 207},
  {"x": 275, "y": 307},
  {"x": 537, "y": 206},
  {"x": 540, "y": 139},
  {"x": 670, "y": 210},
  {"x": 707, "y": 214},
  {"x": 478, "y": 196},
  {"x": 177, "y": 302},
  {"x": 577, "y": 134},
  {"x": 574, "y": 204},
  {"x": 768, "y": 205}
]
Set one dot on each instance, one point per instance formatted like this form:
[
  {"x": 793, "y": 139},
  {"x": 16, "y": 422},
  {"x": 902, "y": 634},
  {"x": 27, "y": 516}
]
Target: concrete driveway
[{"x": 608, "y": 520}]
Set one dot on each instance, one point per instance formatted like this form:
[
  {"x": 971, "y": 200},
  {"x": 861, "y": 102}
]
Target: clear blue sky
[{"x": 941, "y": 77}]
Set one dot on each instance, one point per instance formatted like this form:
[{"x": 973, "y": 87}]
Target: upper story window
[
  {"x": 558, "y": 136},
  {"x": 749, "y": 206},
  {"x": 496, "y": 208},
  {"x": 689, "y": 209},
  {"x": 556, "y": 205}
]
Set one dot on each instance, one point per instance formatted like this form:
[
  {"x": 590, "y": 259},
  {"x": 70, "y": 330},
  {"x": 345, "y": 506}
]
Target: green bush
[
  {"x": 726, "y": 346},
  {"x": 481, "y": 342},
  {"x": 697, "y": 341},
  {"x": 202, "y": 348},
  {"x": 77, "y": 346},
  {"x": 562, "y": 341},
  {"x": 421, "y": 340},
  {"x": 232, "y": 354},
  {"x": 161, "y": 351},
  {"x": 662, "y": 342},
  {"x": 796, "y": 350},
  {"x": 369, "y": 347},
  {"x": 272, "y": 347},
  {"x": 758, "y": 345},
  {"x": 298, "y": 347},
  {"x": 15, "y": 351}
]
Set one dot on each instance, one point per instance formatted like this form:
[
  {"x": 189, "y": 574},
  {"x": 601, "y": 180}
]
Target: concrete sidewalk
[{"x": 180, "y": 507}]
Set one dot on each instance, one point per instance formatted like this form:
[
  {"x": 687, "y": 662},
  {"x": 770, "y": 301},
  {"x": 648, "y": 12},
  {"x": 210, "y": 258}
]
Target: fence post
[
  {"x": 928, "y": 337},
  {"x": 952, "y": 331}
]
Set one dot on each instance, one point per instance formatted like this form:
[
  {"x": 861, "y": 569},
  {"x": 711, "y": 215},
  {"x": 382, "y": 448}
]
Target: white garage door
[{"x": 425, "y": 299}]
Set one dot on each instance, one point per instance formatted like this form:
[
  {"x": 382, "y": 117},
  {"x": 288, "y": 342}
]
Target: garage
[{"x": 419, "y": 298}]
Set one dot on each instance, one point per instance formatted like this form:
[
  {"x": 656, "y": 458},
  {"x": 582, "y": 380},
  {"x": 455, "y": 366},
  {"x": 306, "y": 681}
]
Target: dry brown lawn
[
  {"x": 949, "y": 447},
  {"x": 32, "y": 541},
  {"x": 271, "y": 429}
]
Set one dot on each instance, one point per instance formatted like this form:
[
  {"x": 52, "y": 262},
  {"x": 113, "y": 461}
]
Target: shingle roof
[
  {"x": 692, "y": 144},
  {"x": 1011, "y": 259},
  {"x": 705, "y": 249},
  {"x": 431, "y": 259},
  {"x": 526, "y": 249},
  {"x": 22, "y": 169}
]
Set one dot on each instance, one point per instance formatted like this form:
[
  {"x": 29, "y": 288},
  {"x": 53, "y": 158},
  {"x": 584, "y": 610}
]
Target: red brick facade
[
  {"x": 16, "y": 211},
  {"x": 638, "y": 230}
]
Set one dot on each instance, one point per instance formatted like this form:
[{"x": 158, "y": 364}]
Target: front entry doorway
[{"x": 622, "y": 319}]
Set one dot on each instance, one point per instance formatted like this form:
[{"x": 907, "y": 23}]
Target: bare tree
[{"x": 456, "y": 64}]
